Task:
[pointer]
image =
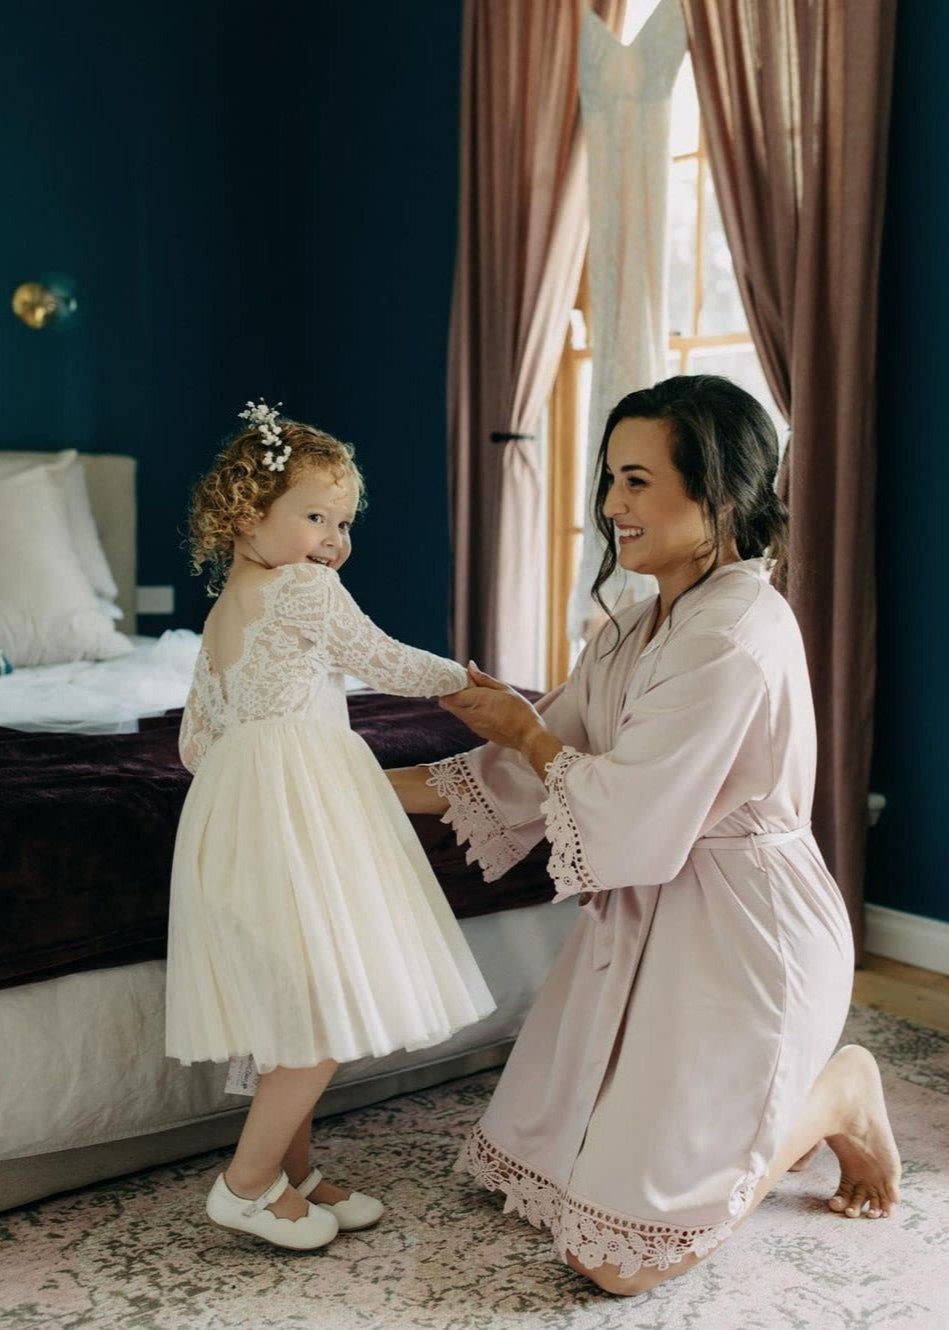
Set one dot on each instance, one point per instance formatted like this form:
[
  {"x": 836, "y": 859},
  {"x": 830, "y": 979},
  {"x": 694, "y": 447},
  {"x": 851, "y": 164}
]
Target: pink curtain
[
  {"x": 795, "y": 98},
  {"x": 522, "y": 234}
]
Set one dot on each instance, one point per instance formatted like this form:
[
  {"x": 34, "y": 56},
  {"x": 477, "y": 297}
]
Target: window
[
  {"x": 709, "y": 335},
  {"x": 568, "y": 413},
  {"x": 708, "y": 329}
]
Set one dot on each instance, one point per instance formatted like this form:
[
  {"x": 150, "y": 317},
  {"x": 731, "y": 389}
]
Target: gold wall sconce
[{"x": 41, "y": 304}]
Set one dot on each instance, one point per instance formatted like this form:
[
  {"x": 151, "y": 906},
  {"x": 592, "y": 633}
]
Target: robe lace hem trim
[
  {"x": 592, "y": 1235},
  {"x": 567, "y": 864},
  {"x": 472, "y": 818}
]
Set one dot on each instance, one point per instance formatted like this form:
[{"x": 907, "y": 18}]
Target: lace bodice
[{"x": 309, "y": 633}]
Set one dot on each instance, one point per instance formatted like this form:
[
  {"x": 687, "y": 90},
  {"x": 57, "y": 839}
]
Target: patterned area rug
[{"x": 138, "y": 1254}]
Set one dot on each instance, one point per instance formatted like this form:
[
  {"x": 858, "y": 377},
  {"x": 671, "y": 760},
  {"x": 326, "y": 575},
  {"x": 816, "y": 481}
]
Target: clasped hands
[{"x": 494, "y": 711}]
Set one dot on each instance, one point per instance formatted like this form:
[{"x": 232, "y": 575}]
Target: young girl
[{"x": 307, "y": 928}]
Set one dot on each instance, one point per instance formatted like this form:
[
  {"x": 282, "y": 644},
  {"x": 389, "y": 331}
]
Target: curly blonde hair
[{"x": 238, "y": 490}]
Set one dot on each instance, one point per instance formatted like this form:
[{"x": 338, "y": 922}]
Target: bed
[{"x": 91, "y": 786}]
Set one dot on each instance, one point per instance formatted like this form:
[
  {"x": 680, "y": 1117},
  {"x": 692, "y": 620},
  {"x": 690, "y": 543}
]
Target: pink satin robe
[{"x": 706, "y": 982}]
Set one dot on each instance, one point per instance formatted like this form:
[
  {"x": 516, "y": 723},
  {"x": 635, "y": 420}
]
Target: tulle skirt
[{"x": 306, "y": 922}]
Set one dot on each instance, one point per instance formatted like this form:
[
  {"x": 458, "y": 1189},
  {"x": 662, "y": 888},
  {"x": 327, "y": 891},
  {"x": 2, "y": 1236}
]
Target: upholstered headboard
[{"x": 111, "y": 483}]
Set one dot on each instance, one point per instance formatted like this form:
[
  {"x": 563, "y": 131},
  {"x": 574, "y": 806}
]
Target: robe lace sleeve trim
[
  {"x": 592, "y": 1234},
  {"x": 473, "y": 819},
  {"x": 567, "y": 864}
]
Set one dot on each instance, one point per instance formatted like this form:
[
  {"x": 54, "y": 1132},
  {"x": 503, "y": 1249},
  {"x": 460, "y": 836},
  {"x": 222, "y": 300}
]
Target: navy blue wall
[
  {"x": 252, "y": 201},
  {"x": 909, "y": 858},
  {"x": 381, "y": 169}
]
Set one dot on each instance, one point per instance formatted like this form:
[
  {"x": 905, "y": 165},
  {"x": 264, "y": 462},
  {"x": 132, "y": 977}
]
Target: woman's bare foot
[
  {"x": 864, "y": 1144},
  {"x": 289, "y": 1205},
  {"x": 799, "y": 1165}
]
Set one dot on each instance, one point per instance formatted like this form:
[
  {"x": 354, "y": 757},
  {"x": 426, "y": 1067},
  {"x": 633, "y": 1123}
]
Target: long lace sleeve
[
  {"x": 198, "y": 729},
  {"x": 322, "y": 610}
]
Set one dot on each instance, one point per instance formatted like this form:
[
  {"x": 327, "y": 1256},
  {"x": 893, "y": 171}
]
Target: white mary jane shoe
[
  {"x": 357, "y": 1211},
  {"x": 314, "y": 1229}
]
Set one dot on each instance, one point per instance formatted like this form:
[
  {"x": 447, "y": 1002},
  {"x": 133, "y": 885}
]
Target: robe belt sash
[
  {"x": 603, "y": 908},
  {"x": 753, "y": 842}
]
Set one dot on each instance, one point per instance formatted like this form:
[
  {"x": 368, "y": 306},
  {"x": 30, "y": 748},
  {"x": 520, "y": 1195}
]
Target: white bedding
[
  {"x": 85, "y": 1053},
  {"x": 106, "y": 696}
]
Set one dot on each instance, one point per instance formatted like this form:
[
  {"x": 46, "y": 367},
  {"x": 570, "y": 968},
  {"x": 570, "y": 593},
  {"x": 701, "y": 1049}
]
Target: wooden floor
[{"x": 902, "y": 990}]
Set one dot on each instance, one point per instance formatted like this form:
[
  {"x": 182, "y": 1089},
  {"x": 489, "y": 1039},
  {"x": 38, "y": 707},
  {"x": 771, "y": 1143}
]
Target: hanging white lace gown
[
  {"x": 306, "y": 922},
  {"x": 626, "y": 101}
]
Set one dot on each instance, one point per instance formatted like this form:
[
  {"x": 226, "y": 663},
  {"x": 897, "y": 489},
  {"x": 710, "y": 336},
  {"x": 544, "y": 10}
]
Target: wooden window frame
[
  {"x": 686, "y": 343},
  {"x": 562, "y": 484}
]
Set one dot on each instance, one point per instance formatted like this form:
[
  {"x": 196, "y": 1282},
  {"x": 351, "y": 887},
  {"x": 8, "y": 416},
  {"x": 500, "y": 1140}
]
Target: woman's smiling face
[{"x": 659, "y": 529}]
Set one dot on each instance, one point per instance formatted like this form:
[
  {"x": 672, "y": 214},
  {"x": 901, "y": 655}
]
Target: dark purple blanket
[{"x": 87, "y": 829}]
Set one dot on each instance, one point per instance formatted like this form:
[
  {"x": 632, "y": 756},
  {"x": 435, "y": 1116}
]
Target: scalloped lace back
[{"x": 293, "y": 658}]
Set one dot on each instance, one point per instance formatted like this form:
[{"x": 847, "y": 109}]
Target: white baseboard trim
[{"x": 913, "y": 939}]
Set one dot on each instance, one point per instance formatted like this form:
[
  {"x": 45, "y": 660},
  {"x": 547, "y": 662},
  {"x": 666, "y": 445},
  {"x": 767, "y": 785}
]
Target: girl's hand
[{"x": 493, "y": 710}]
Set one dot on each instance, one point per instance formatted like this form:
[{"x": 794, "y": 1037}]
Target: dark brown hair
[{"x": 725, "y": 447}]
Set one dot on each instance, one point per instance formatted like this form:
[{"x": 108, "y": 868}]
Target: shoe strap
[
  {"x": 309, "y": 1182},
  {"x": 273, "y": 1193}
]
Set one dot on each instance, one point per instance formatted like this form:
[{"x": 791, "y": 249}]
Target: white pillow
[
  {"x": 67, "y": 470},
  {"x": 109, "y": 608},
  {"x": 84, "y": 532},
  {"x": 48, "y": 610}
]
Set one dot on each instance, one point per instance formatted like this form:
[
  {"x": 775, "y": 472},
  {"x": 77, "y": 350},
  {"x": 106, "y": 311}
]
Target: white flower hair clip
[{"x": 264, "y": 418}]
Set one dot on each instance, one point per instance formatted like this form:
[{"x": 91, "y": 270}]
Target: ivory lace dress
[
  {"x": 306, "y": 922},
  {"x": 707, "y": 978}
]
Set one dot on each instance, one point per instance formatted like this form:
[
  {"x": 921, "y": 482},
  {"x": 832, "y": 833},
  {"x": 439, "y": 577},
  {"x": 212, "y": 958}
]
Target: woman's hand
[
  {"x": 494, "y": 710},
  {"x": 498, "y": 713}
]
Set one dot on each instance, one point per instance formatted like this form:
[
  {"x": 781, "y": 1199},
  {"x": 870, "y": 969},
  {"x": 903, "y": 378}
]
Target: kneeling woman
[{"x": 678, "y": 1059}]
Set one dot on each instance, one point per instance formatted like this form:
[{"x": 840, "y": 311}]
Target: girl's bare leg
[
  {"x": 282, "y": 1099},
  {"x": 846, "y": 1108},
  {"x": 296, "y": 1161},
  {"x": 296, "y": 1165}
]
